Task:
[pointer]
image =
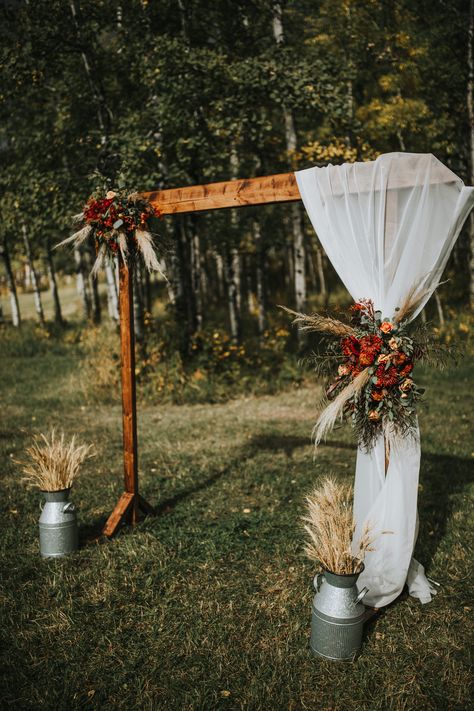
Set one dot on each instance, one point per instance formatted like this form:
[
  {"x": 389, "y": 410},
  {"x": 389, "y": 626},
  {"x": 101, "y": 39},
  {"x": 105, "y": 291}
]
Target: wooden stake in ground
[{"x": 130, "y": 503}]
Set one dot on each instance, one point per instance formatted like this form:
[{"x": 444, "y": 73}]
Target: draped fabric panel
[{"x": 388, "y": 227}]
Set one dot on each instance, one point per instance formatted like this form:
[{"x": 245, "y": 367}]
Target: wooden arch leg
[{"x": 130, "y": 503}]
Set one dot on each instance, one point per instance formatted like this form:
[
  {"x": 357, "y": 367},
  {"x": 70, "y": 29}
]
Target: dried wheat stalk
[
  {"x": 53, "y": 462},
  {"x": 320, "y": 324},
  {"x": 330, "y": 527}
]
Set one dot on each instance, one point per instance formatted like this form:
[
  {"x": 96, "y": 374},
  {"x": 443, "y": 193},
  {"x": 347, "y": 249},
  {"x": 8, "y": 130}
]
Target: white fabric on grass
[{"x": 387, "y": 226}]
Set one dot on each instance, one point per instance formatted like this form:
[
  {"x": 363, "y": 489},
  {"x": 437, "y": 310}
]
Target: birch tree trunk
[
  {"x": 195, "y": 254},
  {"x": 232, "y": 264},
  {"x": 112, "y": 293},
  {"x": 260, "y": 279},
  {"x": 231, "y": 282},
  {"x": 53, "y": 286},
  {"x": 219, "y": 274},
  {"x": 299, "y": 257},
  {"x": 33, "y": 275},
  {"x": 93, "y": 286},
  {"x": 14, "y": 305},
  {"x": 470, "y": 113},
  {"x": 81, "y": 284},
  {"x": 321, "y": 276},
  {"x": 138, "y": 320}
]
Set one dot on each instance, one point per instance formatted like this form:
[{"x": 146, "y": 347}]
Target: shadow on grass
[
  {"x": 277, "y": 442},
  {"x": 170, "y": 503},
  {"x": 444, "y": 480}
]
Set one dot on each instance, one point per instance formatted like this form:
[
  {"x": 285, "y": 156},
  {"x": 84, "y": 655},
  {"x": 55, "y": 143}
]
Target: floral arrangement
[
  {"x": 118, "y": 223},
  {"x": 370, "y": 362}
]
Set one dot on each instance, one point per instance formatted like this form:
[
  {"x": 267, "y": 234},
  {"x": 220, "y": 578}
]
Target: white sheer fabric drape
[{"x": 388, "y": 226}]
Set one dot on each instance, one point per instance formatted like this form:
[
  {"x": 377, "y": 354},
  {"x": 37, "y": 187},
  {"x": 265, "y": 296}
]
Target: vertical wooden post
[{"x": 130, "y": 502}]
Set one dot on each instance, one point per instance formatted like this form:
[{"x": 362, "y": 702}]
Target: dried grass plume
[
  {"x": 53, "y": 463},
  {"x": 320, "y": 324},
  {"x": 330, "y": 527}
]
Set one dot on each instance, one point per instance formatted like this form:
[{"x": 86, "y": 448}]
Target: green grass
[{"x": 208, "y": 605}]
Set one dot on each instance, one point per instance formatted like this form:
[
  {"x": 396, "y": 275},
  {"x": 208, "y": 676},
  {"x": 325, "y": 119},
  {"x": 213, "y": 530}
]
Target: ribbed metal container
[
  {"x": 57, "y": 525},
  {"x": 338, "y": 614}
]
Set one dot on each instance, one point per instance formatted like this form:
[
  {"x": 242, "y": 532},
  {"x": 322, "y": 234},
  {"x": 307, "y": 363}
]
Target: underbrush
[{"x": 214, "y": 369}]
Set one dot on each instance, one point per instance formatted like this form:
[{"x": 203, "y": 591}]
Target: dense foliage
[{"x": 175, "y": 93}]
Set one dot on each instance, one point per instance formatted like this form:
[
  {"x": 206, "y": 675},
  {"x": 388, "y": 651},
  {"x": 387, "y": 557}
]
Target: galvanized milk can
[
  {"x": 338, "y": 614},
  {"x": 57, "y": 525}
]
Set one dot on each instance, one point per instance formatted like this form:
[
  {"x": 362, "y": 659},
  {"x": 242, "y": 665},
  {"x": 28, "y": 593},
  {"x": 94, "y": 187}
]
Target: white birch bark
[
  {"x": 299, "y": 257},
  {"x": 33, "y": 275},
  {"x": 112, "y": 293},
  {"x": 14, "y": 305},
  {"x": 260, "y": 279},
  {"x": 53, "y": 286},
  {"x": 81, "y": 285}
]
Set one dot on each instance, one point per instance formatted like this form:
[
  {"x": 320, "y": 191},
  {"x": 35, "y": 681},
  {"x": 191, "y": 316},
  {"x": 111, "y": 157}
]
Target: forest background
[{"x": 174, "y": 93}]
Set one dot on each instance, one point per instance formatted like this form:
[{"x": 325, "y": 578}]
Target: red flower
[
  {"x": 370, "y": 347},
  {"x": 350, "y": 346},
  {"x": 386, "y": 378},
  {"x": 406, "y": 370}
]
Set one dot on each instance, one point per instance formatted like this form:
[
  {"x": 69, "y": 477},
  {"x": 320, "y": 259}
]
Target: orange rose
[
  {"x": 374, "y": 415},
  {"x": 386, "y": 327}
]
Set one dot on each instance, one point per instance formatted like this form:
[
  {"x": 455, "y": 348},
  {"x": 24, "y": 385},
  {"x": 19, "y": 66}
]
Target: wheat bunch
[
  {"x": 320, "y": 324},
  {"x": 53, "y": 462},
  {"x": 330, "y": 527}
]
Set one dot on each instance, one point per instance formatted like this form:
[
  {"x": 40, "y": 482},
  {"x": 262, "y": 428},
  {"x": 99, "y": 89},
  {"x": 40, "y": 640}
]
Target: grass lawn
[{"x": 207, "y": 606}]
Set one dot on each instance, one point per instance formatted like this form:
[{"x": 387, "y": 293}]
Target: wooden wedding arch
[{"x": 197, "y": 198}]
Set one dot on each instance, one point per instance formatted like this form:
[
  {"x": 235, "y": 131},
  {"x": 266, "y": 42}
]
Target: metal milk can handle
[
  {"x": 317, "y": 581},
  {"x": 361, "y": 595},
  {"x": 69, "y": 508}
]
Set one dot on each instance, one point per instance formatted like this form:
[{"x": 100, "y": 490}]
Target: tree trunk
[
  {"x": 260, "y": 278},
  {"x": 219, "y": 274},
  {"x": 232, "y": 263},
  {"x": 93, "y": 284},
  {"x": 320, "y": 270},
  {"x": 15, "y": 307},
  {"x": 81, "y": 284},
  {"x": 296, "y": 219},
  {"x": 234, "y": 320},
  {"x": 196, "y": 275},
  {"x": 53, "y": 286},
  {"x": 138, "y": 320},
  {"x": 34, "y": 276},
  {"x": 112, "y": 292},
  {"x": 439, "y": 307},
  {"x": 146, "y": 283},
  {"x": 470, "y": 113}
]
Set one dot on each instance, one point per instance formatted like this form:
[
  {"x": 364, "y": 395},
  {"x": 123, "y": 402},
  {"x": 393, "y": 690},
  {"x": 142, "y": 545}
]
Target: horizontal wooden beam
[{"x": 232, "y": 193}]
